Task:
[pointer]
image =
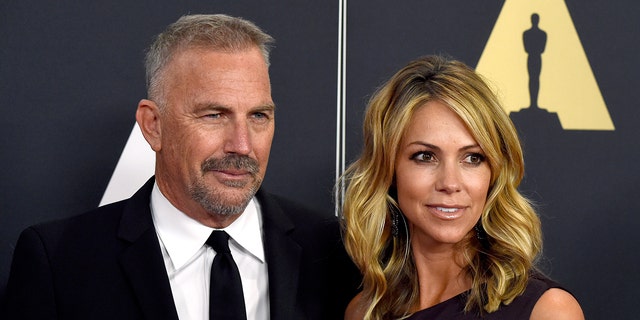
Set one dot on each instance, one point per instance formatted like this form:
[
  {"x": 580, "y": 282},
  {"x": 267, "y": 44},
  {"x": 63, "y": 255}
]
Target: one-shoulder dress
[{"x": 520, "y": 308}]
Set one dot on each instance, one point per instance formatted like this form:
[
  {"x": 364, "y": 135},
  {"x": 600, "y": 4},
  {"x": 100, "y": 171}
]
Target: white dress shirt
[{"x": 188, "y": 260}]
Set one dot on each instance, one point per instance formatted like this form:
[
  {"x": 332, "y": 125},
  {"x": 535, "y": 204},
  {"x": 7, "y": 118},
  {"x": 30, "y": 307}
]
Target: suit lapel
[
  {"x": 283, "y": 258},
  {"x": 143, "y": 264},
  {"x": 142, "y": 261}
]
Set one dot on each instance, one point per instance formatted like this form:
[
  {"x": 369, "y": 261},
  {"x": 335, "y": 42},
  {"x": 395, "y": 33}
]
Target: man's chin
[{"x": 225, "y": 204}]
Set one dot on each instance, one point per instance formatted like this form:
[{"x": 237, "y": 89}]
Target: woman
[{"x": 432, "y": 214}]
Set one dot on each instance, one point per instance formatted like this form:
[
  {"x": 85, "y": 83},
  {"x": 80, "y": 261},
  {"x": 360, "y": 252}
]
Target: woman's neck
[{"x": 441, "y": 274}]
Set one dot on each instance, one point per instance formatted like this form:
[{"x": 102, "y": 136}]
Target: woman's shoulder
[
  {"x": 355, "y": 309},
  {"x": 557, "y": 304},
  {"x": 542, "y": 299},
  {"x": 554, "y": 301}
]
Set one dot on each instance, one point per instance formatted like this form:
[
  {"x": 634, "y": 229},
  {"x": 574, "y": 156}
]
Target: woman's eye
[
  {"x": 423, "y": 156},
  {"x": 474, "y": 158}
]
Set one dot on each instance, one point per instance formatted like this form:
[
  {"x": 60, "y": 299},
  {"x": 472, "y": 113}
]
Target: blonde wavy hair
[{"x": 500, "y": 264}]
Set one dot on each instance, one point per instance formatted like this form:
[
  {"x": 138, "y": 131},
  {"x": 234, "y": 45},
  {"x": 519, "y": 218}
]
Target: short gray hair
[{"x": 214, "y": 31}]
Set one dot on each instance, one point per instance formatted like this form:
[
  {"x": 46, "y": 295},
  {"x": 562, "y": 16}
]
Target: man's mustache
[{"x": 237, "y": 162}]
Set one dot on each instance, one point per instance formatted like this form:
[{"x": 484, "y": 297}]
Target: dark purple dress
[{"x": 520, "y": 308}]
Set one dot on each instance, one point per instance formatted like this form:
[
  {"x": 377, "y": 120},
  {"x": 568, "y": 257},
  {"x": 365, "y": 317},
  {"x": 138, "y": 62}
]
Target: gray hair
[{"x": 214, "y": 31}]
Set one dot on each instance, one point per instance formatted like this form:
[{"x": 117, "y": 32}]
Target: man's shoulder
[
  {"x": 101, "y": 219},
  {"x": 86, "y": 229},
  {"x": 309, "y": 227},
  {"x": 293, "y": 209}
]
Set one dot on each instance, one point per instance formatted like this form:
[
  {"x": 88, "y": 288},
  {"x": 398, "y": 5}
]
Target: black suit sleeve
[{"x": 30, "y": 289}]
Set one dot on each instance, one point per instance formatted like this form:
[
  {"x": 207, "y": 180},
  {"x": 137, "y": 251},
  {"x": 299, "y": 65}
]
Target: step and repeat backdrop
[{"x": 71, "y": 74}]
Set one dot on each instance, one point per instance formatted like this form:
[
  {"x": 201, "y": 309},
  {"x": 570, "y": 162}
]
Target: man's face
[{"x": 215, "y": 132}]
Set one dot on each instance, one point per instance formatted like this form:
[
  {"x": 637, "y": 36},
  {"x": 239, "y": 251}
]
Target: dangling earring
[
  {"x": 394, "y": 211},
  {"x": 394, "y": 223},
  {"x": 482, "y": 236},
  {"x": 480, "y": 233}
]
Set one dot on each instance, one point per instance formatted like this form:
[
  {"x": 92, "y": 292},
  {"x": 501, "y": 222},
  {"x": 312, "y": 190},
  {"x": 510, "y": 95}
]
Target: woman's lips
[{"x": 446, "y": 212}]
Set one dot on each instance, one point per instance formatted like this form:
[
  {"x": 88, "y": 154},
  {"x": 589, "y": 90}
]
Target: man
[{"x": 210, "y": 120}]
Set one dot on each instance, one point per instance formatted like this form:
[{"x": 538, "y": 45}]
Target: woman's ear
[{"x": 148, "y": 119}]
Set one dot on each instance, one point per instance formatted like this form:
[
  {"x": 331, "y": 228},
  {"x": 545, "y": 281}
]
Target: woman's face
[{"x": 442, "y": 176}]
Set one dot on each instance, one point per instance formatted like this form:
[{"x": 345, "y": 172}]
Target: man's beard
[{"x": 214, "y": 201}]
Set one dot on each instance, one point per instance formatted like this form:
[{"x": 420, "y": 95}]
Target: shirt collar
[{"x": 183, "y": 236}]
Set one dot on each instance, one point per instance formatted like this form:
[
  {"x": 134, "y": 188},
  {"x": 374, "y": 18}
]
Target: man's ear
[{"x": 148, "y": 119}]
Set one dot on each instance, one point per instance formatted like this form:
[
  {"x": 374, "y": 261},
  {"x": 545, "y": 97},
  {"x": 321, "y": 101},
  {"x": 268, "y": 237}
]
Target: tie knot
[{"x": 219, "y": 241}]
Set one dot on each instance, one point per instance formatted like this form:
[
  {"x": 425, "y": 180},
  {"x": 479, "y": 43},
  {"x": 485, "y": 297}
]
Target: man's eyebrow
[
  {"x": 265, "y": 107},
  {"x": 269, "y": 107},
  {"x": 210, "y": 106}
]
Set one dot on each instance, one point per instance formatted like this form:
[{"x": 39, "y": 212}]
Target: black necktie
[{"x": 226, "y": 300}]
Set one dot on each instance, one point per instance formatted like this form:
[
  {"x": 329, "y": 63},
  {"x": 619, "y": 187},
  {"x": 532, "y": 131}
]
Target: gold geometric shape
[{"x": 567, "y": 84}]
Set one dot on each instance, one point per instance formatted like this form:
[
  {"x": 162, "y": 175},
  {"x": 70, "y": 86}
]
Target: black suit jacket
[{"x": 107, "y": 264}]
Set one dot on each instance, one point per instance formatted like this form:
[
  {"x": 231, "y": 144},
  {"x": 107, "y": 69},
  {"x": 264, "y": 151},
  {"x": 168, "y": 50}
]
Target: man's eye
[
  {"x": 261, "y": 117},
  {"x": 213, "y": 115}
]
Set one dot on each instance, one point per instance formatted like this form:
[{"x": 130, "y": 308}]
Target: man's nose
[{"x": 238, "y": 138}]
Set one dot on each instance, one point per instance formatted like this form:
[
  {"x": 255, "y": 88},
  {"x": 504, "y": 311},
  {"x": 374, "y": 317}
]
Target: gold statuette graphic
[{"x": 535, "y": 59}]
